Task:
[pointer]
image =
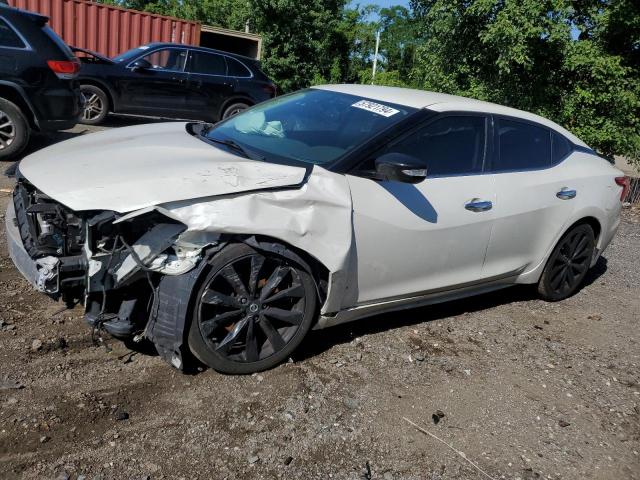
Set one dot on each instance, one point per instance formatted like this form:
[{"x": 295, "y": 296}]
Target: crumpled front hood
[{"x": 125, "y": 169}]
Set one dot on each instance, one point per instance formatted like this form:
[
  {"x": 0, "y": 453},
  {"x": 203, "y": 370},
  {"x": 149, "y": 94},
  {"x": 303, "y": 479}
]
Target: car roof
[{"x": 442, "y": 102}]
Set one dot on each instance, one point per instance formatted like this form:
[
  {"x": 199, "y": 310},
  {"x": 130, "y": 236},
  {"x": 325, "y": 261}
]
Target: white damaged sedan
[{"x": 232, "y": 241}]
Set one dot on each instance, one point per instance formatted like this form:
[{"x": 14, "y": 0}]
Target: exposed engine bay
[{"x": 102, "y": 259}]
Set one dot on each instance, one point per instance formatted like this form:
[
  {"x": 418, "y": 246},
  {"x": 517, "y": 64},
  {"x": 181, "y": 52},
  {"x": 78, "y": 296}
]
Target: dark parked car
[
  {"x": 38, "y": 90},
  {"x": 170, "y": 80}
]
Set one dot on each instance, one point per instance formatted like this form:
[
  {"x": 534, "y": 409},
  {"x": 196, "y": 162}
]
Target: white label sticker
[{"x": 375, "y": 108}]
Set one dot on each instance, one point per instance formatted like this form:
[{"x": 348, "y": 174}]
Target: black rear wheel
[
  {"x": 14, "y": 130},
  {"x": 568, "y": 264},
  {"x": 234, "y": 109},
  {"x": 252, "y": 310}
]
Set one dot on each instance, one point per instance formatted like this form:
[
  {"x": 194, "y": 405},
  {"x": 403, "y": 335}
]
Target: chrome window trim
[{"x": 27, "y": 46}]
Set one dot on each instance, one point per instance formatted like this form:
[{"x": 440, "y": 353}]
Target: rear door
[
  {"x": 432, "y": 235},
  {"x": 208, "y": 84},
  {"x": 535, "y": 194},
  {"x": 158, "y": 90}
]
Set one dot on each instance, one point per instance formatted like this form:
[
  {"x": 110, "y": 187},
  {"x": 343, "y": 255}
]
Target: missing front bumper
[
  {"x": 50, "y": 275},
  {"x": 21, "y": 259}
]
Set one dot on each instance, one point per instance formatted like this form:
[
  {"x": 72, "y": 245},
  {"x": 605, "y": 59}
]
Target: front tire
[
  {"x": 568, "y": 264},
  {"x": 96, "y": 105},
  {"x": 252, "y": 310},
  {"x": 14, "y": 130}
]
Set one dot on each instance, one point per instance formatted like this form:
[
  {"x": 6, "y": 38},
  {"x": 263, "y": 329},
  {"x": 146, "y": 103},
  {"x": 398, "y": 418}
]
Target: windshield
[{"x": 311, "y": 126}]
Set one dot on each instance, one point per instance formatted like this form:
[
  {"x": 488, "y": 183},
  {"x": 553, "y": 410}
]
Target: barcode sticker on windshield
[{"x": 375, "y": 108}]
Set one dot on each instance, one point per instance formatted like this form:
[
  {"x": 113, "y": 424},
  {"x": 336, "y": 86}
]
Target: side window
[
  {"x": 207, "y": 63},
  {"x": 560, "y": 147},
  {"x": 236, "y": 69},
  {"x": 522, "y": 146},
  {"x": 449, "y": 146},
  {"x": 167, "y": 59},
  {"x": 8, "y": 37}
]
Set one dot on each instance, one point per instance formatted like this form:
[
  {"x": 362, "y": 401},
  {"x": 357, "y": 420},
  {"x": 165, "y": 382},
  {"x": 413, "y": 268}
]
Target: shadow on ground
[{"x": 322, "y": 340}]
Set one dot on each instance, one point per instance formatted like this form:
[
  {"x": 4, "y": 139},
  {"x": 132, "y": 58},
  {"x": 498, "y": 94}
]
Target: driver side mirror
[
  {"x": 141, "y": 64},
  {"x": 400, "y": 167}
]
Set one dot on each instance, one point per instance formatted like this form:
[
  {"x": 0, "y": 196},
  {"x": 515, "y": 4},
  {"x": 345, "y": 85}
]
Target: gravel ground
[{"x": 525, "y": 389}]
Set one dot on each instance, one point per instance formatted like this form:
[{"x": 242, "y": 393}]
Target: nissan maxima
[{"x": 232, "y": 241}]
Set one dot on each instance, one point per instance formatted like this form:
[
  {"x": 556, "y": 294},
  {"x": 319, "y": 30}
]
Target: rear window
[
  {"x": 522, "y": 146},
  {"x": 8, "y": 36},
  {"x": 236, "y": 69},
  {"x": 207, "y": 64}
]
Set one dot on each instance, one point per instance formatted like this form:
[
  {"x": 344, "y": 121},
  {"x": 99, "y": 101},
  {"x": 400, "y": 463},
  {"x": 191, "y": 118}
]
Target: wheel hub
[
  {"x": 7, "y": 131},
  {"x": 254, "y": 308}
]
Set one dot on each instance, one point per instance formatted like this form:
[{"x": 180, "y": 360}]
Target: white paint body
[{"x": 386, "y": 245}]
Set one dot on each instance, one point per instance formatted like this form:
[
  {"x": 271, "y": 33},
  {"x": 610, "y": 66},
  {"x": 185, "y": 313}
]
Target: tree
[
  {"x": 570, "y": 61},
  {"x": 303, "y": 44},
  {"x": 397, "y": 43}
]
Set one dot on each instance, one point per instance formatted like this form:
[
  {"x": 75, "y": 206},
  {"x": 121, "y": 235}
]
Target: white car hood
[{"x": 126, "y": 169}]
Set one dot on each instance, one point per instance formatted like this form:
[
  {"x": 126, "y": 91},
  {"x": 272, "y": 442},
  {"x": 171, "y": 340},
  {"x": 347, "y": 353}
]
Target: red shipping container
[{"x": 110, "y": 30}]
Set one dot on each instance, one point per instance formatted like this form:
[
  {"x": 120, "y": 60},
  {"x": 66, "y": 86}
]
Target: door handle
[
  {"x": 566, "y": 194},
  {"x": 477, "y": 205}
]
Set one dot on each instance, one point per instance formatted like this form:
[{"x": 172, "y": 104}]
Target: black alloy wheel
[
  {"x": 568, "y": 264},
  {"x": 252, "y": 310}
]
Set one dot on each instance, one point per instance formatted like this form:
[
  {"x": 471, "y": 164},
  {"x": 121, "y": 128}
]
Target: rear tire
[
  {"x": 568, "y": 264},
  {"x": 252, "y": 310},
  {"x": 234, "y": 109},
  {"x": 14, "y": 130},
  {"x": 96, "y": 105}
]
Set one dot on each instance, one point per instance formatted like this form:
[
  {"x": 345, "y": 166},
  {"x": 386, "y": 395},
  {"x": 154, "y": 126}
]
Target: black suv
[
  {"x": 170, "y": 80},
  {"x": 38, "y": 90}
]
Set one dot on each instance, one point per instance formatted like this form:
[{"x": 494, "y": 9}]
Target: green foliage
[
  {"x": 523, "y": 54},
  {"x": 303, "y": 43}
]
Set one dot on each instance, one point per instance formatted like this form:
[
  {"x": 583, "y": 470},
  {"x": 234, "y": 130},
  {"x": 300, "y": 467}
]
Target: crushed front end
[
  {"x": 108, "y": 262},
  {"x": 46, "y": 242}
]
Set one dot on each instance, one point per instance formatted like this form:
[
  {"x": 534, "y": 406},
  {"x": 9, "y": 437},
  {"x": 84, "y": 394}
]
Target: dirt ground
[{"x": 524, "y": 389}]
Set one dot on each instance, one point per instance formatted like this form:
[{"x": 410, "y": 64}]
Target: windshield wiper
[{"x": 238, "y": 148}]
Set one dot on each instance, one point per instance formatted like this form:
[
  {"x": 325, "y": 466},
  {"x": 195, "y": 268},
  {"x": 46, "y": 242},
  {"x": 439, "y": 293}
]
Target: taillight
[
  {"x": 65, "y": 69},
  {"x": 625, "y": 183},
  {"x": 271, "y": 89}
]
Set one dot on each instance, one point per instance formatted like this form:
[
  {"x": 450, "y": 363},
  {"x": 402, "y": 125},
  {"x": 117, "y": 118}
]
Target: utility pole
[{"x": 375, "y": 57}]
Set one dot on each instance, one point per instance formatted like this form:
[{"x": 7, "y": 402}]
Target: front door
[
  {"x": 159, "y": 89},
  {"x": 413, "y": 239}
]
